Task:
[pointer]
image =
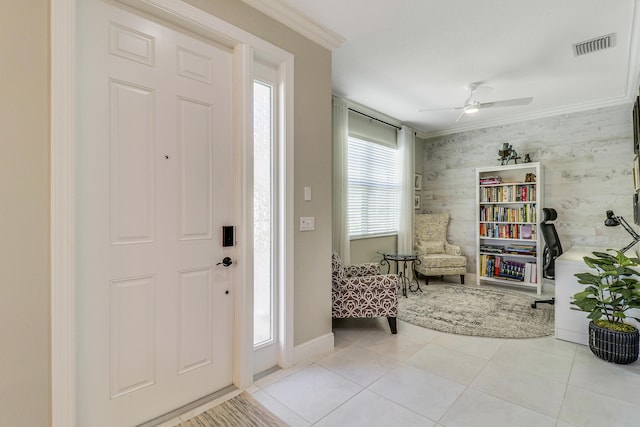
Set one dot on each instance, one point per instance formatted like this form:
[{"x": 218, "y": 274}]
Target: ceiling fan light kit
[{"x": 472, "y": 106}]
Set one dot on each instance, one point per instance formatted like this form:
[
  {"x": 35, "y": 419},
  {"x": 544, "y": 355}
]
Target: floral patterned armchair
[
  {"x": 437, "y": 256},
  {"x": 361, "y": 291}
]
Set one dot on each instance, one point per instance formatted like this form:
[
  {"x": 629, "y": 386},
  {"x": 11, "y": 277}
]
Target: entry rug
[
  {"x": 240, "y": 411},
  {"x": 477, "y": 311}
]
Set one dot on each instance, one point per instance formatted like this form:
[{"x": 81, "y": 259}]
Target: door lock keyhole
[{"x": 226, "y": 261}]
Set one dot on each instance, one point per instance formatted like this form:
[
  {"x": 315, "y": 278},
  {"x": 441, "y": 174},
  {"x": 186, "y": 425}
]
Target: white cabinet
[
  {"x": 508, "y": 242},
  {"x": 572, "y": 323}
]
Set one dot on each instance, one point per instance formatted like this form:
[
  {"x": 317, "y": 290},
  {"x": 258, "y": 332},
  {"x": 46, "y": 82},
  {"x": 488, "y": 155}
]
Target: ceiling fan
[{"x": 472, "y": 106}]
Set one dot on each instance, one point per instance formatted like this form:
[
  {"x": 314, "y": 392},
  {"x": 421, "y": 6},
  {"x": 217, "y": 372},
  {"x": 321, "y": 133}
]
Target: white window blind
[{"x": 374, "y": 188}]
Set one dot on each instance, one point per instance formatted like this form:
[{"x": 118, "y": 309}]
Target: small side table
[{"x": 403, "y": 262}]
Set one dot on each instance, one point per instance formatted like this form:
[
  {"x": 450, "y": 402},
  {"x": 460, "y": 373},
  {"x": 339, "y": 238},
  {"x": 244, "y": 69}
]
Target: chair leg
[
  {"x": 551, "y": 301},
  {"x": 392, "y": 325},
  {"x": 462, "y": 279}
]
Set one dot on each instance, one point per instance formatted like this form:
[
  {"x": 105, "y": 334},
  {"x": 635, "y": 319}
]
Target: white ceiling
[{"x": 400, "y": 56}]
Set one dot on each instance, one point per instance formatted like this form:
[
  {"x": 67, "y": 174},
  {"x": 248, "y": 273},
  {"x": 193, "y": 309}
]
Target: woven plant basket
[{"x": 613, "y": 346}]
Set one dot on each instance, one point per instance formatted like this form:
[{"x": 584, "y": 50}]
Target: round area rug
[{"x": 476, "y": 311}]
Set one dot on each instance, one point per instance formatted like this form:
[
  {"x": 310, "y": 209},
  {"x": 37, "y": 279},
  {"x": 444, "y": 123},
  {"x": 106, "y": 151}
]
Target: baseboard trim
[{"x": 314, "y": 348}]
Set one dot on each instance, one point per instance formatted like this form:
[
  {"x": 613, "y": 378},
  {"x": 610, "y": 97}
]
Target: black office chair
[{"x": 552, "y": 249}]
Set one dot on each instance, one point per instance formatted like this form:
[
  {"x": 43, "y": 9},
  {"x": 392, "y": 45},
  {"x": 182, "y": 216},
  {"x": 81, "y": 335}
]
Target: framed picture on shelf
[
  {"x": 417, "y": 182},
  {"x": 416, "y": 202}
]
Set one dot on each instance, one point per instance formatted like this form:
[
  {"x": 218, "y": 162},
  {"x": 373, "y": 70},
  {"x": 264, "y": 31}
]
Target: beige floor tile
[
  {"x": 417, "y": 332},
  {"x": 368, "y": 409},
  {"x": 522, "y": 388},
  {"x": 537, "y": 361},
  {"x": 399, "y": 347},
  {"x": 478, "y": 409},
  {"x": 551, "y": 345},
  {"x": 475, "y": 346},
  {"x": 279, "y": 410},
  {"x": 312, "y": 392},
  {"x": 358, "y": 364},
  {"x": 425, "y": 393},
  {"x": 452, "y": 364},
  {"x": 590, "y": 373},
  {"x": 585, "y": 408}
]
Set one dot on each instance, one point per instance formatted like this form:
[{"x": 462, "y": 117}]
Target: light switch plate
[{"x": 307, "y": 223}]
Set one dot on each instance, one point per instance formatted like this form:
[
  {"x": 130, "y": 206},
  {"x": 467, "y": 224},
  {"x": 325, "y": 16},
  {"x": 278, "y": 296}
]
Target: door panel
[
  {"x": 195, "y": 174},
  {"x": 154, "y": 180},
  {"x": 195, "y": 337},
  {"x": 133, "y": 331},
  {"x": 132, "y": 175}
]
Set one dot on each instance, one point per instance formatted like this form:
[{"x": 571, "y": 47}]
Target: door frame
[{"x": 245, "y": 47}]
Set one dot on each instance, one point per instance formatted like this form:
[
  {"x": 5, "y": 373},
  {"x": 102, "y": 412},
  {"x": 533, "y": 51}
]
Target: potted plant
[{"x": 609, "y": 294}]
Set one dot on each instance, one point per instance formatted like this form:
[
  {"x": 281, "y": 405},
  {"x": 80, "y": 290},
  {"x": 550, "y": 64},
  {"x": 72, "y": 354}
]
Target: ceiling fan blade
[
  {"x": 507, "y": 103},
  {"x": 440, "y": 109}
]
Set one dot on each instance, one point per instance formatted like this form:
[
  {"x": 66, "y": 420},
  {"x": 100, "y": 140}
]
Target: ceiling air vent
[{"x": 593, "y": 45}]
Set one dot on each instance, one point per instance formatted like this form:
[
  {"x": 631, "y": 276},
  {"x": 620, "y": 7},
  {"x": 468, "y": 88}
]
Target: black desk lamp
[{"x": 614, "y": 220}]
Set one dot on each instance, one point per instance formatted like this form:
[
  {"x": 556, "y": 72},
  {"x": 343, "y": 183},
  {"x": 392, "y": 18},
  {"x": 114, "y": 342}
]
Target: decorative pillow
[{"x": 433, "y": 247}]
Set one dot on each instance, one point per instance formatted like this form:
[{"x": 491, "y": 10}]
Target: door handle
[{"x": 226, "y": 261}]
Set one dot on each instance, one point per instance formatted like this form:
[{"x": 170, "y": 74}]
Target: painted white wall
[{"x": 587, "y": 159}]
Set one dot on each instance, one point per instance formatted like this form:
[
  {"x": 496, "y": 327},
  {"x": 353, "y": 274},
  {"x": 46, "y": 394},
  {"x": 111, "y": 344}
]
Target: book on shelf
[
  {"x": 529, "y": 250},
  {"x": 534, "y": 273},
  {"x": 492, "y": 249},
  {"x": 531, "y": 272},
  {"x": 498, "y": 267},
  {"x": 489, "y": 180}
]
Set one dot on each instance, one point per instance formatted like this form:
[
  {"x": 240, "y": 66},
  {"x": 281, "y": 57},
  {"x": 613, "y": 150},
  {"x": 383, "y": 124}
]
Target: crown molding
[
  {"x": 297, "y": 21},
  {"x": 576, "y": 108}
]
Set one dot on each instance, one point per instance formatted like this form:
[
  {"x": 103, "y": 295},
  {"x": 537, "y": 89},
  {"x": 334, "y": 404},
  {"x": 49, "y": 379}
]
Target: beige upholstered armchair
[
  {"x": 361, "y": 291},
  {"x": 437, "y": 256}
]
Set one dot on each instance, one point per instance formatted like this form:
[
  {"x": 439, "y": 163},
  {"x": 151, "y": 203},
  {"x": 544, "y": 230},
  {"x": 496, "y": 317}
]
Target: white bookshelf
[{"x": 508, "y": 236}]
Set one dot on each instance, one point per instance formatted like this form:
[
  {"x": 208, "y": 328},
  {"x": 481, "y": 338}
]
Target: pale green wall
[
  {"x": 366, "y": 250},
  {"x": 24, "y": 213}
]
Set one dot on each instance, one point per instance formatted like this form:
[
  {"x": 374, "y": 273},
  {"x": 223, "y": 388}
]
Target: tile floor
[
  {"x": 426, "y": 378},
  {"x": 421, "y": 377}
]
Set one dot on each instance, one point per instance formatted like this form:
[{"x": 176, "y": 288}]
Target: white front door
[{"x": 154, "y": 187}]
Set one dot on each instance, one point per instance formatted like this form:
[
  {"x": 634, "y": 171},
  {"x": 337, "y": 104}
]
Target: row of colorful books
[
  {"x": 508, "y": 193},
  {"x": 508, "y": 231},
  {"x": 501, "y": 268},
  {"x": 526, "y": 213}
]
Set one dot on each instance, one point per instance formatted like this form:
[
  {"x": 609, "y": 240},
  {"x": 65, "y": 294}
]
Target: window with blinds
[{"x": 374, "y": 189}]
